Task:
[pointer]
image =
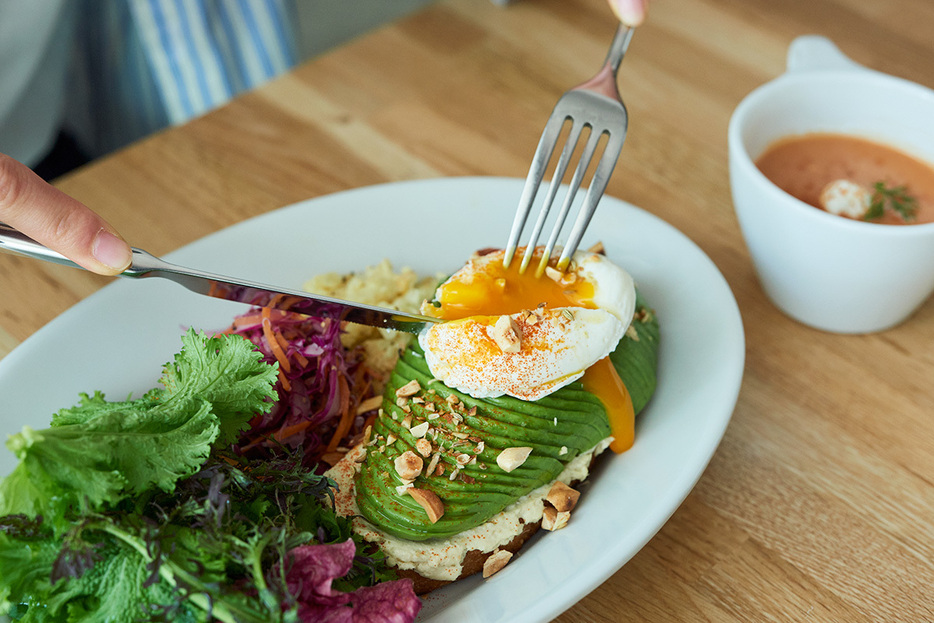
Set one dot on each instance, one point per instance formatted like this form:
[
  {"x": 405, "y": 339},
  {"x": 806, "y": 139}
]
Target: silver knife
[{"x": 229, "y": 289}]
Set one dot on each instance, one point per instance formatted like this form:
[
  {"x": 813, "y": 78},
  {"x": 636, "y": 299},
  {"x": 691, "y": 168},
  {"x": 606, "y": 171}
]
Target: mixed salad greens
[{"x": 148, "y": 509}]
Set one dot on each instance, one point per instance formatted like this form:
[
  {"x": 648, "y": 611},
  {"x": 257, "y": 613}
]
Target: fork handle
[
  {"x": 618, "y": 48},
  {"x": 604, "y": 83}
]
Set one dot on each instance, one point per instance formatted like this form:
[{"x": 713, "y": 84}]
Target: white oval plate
[{"x": 117, "y": 340}]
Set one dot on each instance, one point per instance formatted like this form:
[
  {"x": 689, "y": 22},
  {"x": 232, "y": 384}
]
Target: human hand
[
  {"x": 58, "y": 221},
  {"x": 630, "y": 12}
]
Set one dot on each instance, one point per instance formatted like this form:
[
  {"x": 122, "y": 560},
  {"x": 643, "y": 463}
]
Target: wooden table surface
[{"x": 819, "y": 503}]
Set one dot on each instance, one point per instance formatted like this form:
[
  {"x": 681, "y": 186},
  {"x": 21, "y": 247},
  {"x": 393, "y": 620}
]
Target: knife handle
[{"x": 18, "y": 243}]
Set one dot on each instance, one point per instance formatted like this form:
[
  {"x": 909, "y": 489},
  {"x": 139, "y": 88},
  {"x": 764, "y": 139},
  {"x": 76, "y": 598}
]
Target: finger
[
  {"x": 630, "y": 12},
  {"x": 58, "y": 221}
]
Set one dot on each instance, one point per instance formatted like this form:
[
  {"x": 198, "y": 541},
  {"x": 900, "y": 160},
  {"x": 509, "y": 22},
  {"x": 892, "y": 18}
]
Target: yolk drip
[
  {"x": 602, "y": 380},
  {"x": 491, "y": 290}
]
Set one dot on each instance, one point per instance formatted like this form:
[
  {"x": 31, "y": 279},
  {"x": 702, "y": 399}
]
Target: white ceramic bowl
[{"x": 826, "y": 271}]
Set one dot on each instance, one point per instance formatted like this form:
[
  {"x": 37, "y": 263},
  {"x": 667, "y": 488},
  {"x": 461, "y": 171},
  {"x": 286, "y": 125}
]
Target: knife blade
[{"x": 231, "y": 289}]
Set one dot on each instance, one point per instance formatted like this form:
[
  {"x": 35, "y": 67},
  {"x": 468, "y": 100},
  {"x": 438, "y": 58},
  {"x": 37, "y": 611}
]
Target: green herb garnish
[
  {"x": 896, "y": 199},
  {"x": 138, "y": 510}
]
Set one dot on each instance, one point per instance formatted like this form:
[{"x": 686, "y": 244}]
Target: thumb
[
  {"x": 58, "y": 221},
  {"x": 629, "y": 12}
]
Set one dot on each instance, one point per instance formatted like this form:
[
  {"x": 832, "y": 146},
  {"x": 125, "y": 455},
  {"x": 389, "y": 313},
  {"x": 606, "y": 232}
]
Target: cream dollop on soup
[{"x": 840, "y": 174}]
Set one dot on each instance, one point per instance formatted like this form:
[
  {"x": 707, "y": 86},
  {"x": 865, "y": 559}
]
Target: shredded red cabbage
[{"x": 321, "y": 384}]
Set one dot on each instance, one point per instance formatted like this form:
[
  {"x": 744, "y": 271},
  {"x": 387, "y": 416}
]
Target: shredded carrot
[
  {"x": 242, "y": 321},
  {"x": 283, "y": 343},
  {"x": 302, "y": 360},
  {"x": 270, "y": 336},
  {"x": 288, "y": 431},
  {"x": 346, "y": 414},
  {"x": 286, "y": 385}
]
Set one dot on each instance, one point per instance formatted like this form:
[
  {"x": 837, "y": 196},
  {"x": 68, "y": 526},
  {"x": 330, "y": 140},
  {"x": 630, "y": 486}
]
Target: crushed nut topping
[
  {"x": 632, "y": 334},
  {"x": 419, "y": 430},
  {"x": 409, "y": 389},
  {"x": 401, "y": 489},
  {"x": 495, "y": 562},
  {"x": 429, "y": 501},
  {"x": 507, "y": 335},
  {"x": 511, "y": 458},
  {"x": 563, "y": 451},
  {"x": 424, "y": 448},
  {"x": 562, "y": 497},
  {"x": 553, "y": 273},
  {"x": 433, "y": 463},
  {"x": 408, "y": 465},
  {"x": 553, "y": 519}
]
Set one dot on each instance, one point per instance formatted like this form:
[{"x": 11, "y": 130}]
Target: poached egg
[{"x": 522, "y": 335}]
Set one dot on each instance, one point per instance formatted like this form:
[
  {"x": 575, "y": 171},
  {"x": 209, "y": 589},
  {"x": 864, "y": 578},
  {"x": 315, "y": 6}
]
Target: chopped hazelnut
[
  {"x": 554, "y": 520},
  {"x": 506, "y": 333},
  {"x": 401, "y": 489},
  {"x": 408, "y": 465},
  {"x": 632, "y": 334},
  {"x": 598, "y": 248},
  {"x": 419, "y": 430},
  {"x": 553, "y": 273},
  {"x": 562, "y": 497},
  {"x": 496, "y": 561},
  {"x": 511, "y": 458},
  {"x": 433, "y": 463},
  {"x": 429, "y": 501},
  {"x": 409, "y": 389},
  {"x": 424, "y": 448}
]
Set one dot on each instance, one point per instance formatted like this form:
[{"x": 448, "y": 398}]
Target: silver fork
[{"x": 594, "y": 105}]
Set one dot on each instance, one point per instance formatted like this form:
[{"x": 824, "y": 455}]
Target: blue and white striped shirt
[{"x": 142, "y": 65}]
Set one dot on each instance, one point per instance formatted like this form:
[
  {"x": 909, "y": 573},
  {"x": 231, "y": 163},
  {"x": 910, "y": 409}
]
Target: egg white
[{"x": 557, "y": 346}]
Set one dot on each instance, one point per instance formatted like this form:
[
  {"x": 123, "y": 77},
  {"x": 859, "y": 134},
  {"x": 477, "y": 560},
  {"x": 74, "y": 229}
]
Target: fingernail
[{"x": 111, "y": 251}]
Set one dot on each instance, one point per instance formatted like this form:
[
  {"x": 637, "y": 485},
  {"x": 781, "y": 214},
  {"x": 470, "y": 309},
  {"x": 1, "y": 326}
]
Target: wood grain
[{"x": 818, "y": 505}]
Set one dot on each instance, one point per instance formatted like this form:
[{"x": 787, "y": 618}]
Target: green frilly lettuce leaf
[{"x": 99, "y": 452}]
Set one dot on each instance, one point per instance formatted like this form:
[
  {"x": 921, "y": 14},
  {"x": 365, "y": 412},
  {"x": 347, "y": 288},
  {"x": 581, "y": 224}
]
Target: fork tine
[
  {"x": 543, "y": 153},
  {"x": 597, "y": 185},
  {"x": 574, "y": 186},
  {"x": 569, "y": 146}
]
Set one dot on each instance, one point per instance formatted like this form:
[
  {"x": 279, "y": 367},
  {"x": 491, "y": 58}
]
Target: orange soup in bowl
[{"x": 852, "y": 177}]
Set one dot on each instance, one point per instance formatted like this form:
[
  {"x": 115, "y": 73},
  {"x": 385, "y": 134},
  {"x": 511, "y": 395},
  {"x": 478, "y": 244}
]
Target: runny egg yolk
[{"x": 493, "y": 290}]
